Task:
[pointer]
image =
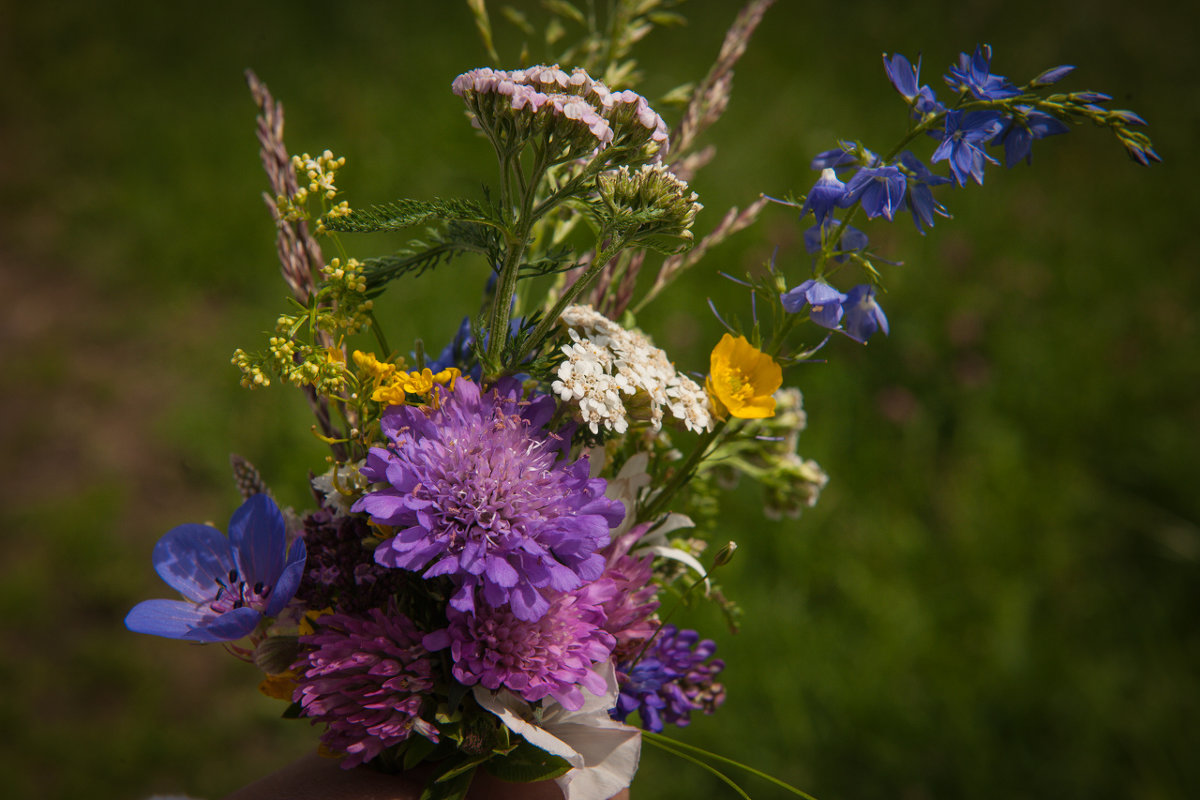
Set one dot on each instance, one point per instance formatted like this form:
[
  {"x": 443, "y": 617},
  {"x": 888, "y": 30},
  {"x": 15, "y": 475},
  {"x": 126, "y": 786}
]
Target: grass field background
[{"x": 996, "y": 596}]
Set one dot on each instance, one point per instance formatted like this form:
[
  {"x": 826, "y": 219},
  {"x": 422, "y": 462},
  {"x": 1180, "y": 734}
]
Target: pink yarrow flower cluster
[{"x": 621, "y": 118}]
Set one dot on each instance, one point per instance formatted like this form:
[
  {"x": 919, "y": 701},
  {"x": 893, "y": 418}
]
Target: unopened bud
[{"x": 724, "y": 555}]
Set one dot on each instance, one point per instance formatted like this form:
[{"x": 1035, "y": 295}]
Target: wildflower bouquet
[{"x": 487, "y": 575}]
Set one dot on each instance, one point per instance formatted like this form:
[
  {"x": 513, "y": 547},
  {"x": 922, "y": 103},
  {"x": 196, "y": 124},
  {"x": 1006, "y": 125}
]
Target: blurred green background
[{"x": 995, "y": 597}]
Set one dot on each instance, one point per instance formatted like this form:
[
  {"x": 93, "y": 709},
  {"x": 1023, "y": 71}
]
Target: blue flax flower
[
  {"x": 852, "y": 239},
  {"x": 920, "y": 200},
  {"x": 879, "y": 189},
  {"x": 1020, "y": 132},
  {"x": 963, "y": 141},
  {"x": 230, "y": 584},
  {"x": 906, "y": 79},
  {"x": 973, "y": 74},
  {"x": 861, "y": 315},
  {"x": 824, "y": 301},
  {"x": 827, "y": 193}
]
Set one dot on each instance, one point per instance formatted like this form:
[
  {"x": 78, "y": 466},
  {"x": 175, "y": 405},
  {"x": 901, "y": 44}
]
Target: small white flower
[{"x": 608, "y": 368}]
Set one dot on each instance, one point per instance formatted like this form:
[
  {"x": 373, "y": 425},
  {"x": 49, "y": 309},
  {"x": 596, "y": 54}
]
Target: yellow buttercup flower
[{"x": 742, "y": 379}]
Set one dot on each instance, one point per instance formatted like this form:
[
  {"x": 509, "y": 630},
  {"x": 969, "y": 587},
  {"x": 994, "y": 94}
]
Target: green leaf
[
  {"x": 459, "y": 238},
  {"x": 527, "y": 763},
  {"x": 418, "y": 748},
  {"x": 451, "y": 784},
  {"x": 402, "y": 214}
]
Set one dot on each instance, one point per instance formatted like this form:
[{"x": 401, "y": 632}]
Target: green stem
[
  {"x": 534, "y": 340},
  {"x": 518, "y": 240},
  {"x": 684, "y": 474},
  {"x": 667, "y": 743},
  {"x": 661, "y": 744}
]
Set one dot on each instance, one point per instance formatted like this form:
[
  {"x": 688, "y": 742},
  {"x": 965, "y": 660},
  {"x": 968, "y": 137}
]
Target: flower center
[
  {"x": 232, "y": 593},
  {"x": 738, "y": 385}
]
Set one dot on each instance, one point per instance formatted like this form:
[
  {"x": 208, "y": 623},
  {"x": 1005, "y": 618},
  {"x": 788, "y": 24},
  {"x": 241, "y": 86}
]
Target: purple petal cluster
[
  {"x": 366, "y": 679},
  {"x": 229, "y": 584},
  {"x": 674, "y": 677},
  {"x": 341, "y": 573},
  {"x": 481, "y": 493},
  {"x": 552, "y": 656},
  {"x": 628, "y": 612}
]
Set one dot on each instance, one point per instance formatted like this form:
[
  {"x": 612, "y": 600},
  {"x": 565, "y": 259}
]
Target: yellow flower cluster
[
  {"x": 391, "y": 385},
  {"x": 320, "y": 171}
]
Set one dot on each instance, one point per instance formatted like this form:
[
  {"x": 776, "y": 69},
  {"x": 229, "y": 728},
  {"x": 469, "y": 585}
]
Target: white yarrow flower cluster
[{"x": 610, "y": 372}]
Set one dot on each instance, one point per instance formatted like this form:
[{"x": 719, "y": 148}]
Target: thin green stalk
[
  {"x": 534, "y": 340},
  {"x": 659, "y": 740},
  {"x": 518, "y": 240},
  {"x": 685, "y": 472},
  {"x": 679, "y": 753}
]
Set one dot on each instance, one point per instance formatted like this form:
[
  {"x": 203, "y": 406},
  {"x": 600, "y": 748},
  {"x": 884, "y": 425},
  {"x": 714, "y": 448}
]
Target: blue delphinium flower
[
  {"x": 230, "y": 584},
  {"x": 1020, "y": 132},
  {"x": 827, "y": 193},
  {"x": 880, "y": 190},
  {"x": 824, "y": 302},
  {"x": 861, "y": 315},
  {"x": 920, "y": 201},
  {"x": 963, "y": 141},
  {"x": 973, "y": 74}
]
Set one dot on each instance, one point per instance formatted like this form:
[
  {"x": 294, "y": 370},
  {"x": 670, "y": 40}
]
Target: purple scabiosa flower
[
  {"x": 824, "y": 302},
  {"x": 852, "y": 239},
  {"x": 973, "y": 74},
  {"x": 825, "y": 194},
  {"x": 366, "y": 679},
  {"x": 552, "y": 656},
  {"x": 862, "y": 316},
  {"x": 1020, "y": 132},
  {"x": 963, "y": 141},
  {"x": 880, "y": 190},
  {"x": 230, "y": 584},
  {"x": 483, "y": 494},
  {"x": 920, "y": 200},
  {"x": 675, "y": 676}
]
